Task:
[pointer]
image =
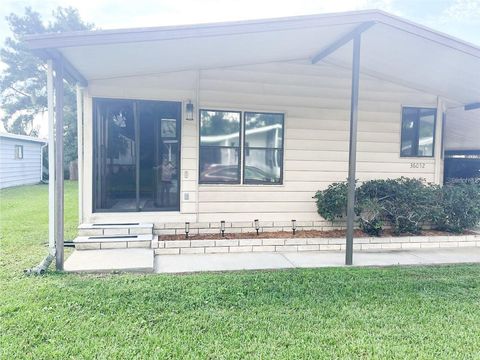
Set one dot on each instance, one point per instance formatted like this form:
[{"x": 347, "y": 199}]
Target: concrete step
[
  {"x": 130, "y": 260},
  {"x": 115, "y": 242},
  {"x": 113, "y": 229}
]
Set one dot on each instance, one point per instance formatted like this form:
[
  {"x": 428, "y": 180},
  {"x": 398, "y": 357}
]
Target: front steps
[
  {"x": 115, "y": 236},
  {"x": 115, "y": 242},
  {"x": 113, "y": 229}
]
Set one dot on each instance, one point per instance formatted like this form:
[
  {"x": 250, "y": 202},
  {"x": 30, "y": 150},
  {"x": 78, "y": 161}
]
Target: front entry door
[
  {"x": 159, "y": 185},
  {"x": 136, "y": 155}
]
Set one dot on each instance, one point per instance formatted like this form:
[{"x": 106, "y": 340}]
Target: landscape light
[
  {"x": 222, "y": 227},
  {"x": 257, "y": 225},
  {"x": 187, "y": 229},
  {"x": 294, "y": 226}
]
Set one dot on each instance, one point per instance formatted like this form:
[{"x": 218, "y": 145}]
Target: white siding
[
  {"x": 316, "y": 103},
  {"x": 24, "y": 171}
]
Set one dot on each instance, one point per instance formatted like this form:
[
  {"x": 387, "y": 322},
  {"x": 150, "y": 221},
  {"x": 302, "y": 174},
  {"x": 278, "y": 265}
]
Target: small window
[
  {"x": 18, "y": 152},
  {"x": 418, "y": 132},
  {"x": 219, "y": 147},
  {"x": 263, "y": 153}
]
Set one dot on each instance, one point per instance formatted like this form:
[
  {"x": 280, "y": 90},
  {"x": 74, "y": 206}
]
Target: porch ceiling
[{"x": 393, "y": 49}]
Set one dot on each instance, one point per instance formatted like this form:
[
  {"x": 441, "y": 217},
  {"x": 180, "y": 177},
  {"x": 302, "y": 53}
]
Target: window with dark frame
[
  {"x": 263, "y": 152},
  {"x": 18, "y": 152},
  {"x": 219, "y": 147},
  {"x": 221, "y": 142},
  {"x": 418, "y": 132}
]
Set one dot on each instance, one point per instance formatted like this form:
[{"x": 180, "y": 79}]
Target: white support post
[
  {"x": 80, "y": 151},
  {"x": 352, "y": 156},
  {"x": 59, "y": 198},
  {"x": 51, "y": 158},
  {"x": 438, "y": 146}
]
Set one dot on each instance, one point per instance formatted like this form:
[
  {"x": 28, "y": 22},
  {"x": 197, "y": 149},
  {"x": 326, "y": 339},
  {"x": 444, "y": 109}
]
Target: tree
[{"x": 23, "y": 83}]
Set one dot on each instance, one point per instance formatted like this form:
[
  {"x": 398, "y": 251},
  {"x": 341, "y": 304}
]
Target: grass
[{"x": 379, "y": 313}]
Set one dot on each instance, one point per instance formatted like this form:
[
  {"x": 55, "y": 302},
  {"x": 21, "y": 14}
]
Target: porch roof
[{"x": 393, "y": 49}]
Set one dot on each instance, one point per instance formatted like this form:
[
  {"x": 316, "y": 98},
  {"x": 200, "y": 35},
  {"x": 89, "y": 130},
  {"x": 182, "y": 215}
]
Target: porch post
[
  {"x": 59, "y": 216},
  {"x": 352, "y": 156},
  {"x": 80, "y": 151},
  {"x": 51, "y": 158}
]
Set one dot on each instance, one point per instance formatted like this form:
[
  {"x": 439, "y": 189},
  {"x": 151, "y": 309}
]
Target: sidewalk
[{"x": 257, "y": 261}]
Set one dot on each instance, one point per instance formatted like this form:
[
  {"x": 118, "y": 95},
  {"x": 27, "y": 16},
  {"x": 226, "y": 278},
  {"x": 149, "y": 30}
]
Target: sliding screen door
[{"x": 136, "y": 155}]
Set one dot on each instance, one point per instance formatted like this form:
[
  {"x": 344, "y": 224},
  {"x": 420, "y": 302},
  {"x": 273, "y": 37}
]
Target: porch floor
[{"x": 257, "y": 261}]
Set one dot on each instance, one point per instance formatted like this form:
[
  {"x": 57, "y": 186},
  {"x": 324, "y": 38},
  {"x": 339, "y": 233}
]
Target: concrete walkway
[
  {"x": 134, "y": 260},
  {"x": 251, "y": 261}
]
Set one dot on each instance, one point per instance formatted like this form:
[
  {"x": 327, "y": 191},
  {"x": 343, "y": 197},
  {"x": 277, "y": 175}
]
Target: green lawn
[{"x": 381, "y": 313}]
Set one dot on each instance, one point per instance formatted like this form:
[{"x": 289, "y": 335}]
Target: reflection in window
[
  {"x": 263, "y": 148},
  {"x": 418, "y": 129},
  {"x": 219, "y": 146}
]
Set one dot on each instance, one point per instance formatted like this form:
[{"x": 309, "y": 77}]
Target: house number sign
[{"x": 417, "y": 165}]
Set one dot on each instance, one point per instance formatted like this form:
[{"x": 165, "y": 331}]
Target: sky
[{"x": 459, "y": 18}]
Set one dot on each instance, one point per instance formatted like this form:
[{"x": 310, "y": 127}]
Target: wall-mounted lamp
[
  {"x": 189, "y": 111},
  {"x": 187, "y": 229},
  {"x": 294, "y": 226},
  {"x": 222, "y": 227},
  {"x": 257, "y": 225}
]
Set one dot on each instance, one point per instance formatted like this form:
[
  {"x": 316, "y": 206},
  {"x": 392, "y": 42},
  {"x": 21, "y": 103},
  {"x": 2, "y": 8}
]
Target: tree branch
[{"x": 18, "y": 91}]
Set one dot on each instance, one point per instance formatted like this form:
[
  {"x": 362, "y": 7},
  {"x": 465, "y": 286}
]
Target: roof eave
[{"x": 103, "y": 37}]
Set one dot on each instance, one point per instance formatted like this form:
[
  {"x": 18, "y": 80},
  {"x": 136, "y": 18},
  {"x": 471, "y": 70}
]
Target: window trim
[
  {"x": 17, "y": 153},
  {"x": 417, "y": 108},
  {"x": 239, "y": 165},
  {"x": 244, "y": 150}
]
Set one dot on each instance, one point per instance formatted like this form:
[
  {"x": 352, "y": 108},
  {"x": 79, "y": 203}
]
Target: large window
[
  {"x": 221, "y": 142},
  {"x": 418, "y": 132}
]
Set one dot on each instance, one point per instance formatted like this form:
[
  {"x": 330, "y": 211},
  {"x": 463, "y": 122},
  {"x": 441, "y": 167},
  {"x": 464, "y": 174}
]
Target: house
[
  {"x": 221, "y": 124},
  {"x": 21, "y": 160}
]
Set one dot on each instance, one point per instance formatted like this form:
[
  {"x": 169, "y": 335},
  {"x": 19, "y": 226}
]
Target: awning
[{"x": 392, "y": 49}]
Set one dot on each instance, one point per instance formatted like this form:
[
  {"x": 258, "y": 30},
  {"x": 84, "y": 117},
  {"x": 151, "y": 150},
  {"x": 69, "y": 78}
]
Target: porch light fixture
[
  {"x": 222, "y": 227},
  {"x": 257, "y": 225},
  {"x": 187, "y": 229},
  {"x": 189, "y": 111},
  {"x": 294, "y": 226}
]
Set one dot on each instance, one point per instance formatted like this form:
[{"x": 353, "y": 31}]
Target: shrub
[
  {"x": 332, "y": 202},
  {"x": 370, "y": 216},
  {"x": 405, "y": 204},
  {"x": 458, "y": 207}
]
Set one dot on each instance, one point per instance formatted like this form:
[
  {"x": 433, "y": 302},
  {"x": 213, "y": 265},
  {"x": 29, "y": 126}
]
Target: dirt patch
[{"x": 298, "y": 234}]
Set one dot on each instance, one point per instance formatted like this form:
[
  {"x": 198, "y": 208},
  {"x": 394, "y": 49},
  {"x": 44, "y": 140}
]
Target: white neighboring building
[{"x": 20, "y": 160}]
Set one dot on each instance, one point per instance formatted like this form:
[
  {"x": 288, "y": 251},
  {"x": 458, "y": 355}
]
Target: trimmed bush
[
  {"x": 459, "y": 207},
  {"x": 332, "y": 202},
  {"x": 405, "y": 204}
]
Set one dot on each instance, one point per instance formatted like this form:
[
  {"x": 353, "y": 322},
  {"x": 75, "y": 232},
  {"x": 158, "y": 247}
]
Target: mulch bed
[{"x": 298, "y": 234}]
